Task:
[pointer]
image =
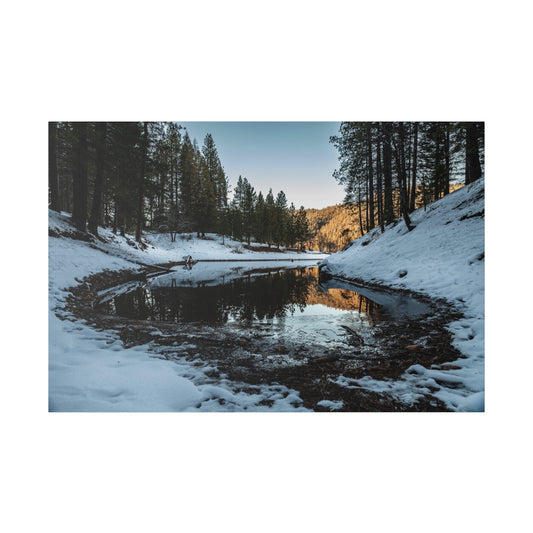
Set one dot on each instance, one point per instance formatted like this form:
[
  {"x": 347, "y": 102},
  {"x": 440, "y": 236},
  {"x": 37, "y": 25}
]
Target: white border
[{"x": 230, "y": 60}]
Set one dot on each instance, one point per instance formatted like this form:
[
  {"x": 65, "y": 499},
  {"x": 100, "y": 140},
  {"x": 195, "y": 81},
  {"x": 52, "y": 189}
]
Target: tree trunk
[
  {"x": 473, "y": 165},
  {"x": 446, "y": 184},
  {"x": 359, "y": 202},
  {"x": 438, "y": 174},
  {"x": 388, "y": 209},
  {"x": 96, "y": 211},
  {"x": 53, "y": 178},
  {"x": 379, "y": 177},
  {"x": 140, "y": 197},
  {"x": 370, "y": 198},
  {"x": 402, "y": 175},
  {"x": 79, "y": 175},
  {"x": 412, "y": 200}
]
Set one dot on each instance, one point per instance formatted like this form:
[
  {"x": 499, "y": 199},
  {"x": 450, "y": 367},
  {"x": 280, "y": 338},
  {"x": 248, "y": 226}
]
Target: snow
[
  {"x": 218, "y": 272},
  {"x": 332, "y": 405},
  {"x": 442, "y": 257},
  {"x": 91, "y": 370}
]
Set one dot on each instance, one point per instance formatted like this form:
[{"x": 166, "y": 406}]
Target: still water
[{"x": 249, "y": 294}]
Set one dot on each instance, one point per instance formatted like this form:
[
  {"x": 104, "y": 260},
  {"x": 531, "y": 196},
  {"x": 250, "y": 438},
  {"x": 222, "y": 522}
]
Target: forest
[
  {"x": 137, "y": 176},
  {"x": 389, "y": 169}
]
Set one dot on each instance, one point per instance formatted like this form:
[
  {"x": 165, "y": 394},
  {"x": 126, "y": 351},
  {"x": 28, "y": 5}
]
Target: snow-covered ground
[
  {"x": 90, "y": 370},
  {"x": 442, "y": 257}
]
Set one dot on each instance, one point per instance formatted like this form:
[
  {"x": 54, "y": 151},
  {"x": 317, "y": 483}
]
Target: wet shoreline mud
[{"x": 319, "y": 373}]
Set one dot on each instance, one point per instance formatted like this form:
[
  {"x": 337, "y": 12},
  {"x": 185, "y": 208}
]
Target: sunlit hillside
[{"x": 332, "y": 228}]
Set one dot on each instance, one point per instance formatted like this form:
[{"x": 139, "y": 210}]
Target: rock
[{"x": 412, "y": 347}]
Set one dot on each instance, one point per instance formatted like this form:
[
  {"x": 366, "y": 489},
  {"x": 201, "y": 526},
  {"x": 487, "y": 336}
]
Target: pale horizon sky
[{"x": 295, "y": 157}]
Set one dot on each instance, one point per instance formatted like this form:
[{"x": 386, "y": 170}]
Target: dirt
[{"x": 400, "y": 344}]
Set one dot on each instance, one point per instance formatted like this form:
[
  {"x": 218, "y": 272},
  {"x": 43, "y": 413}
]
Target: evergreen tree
[
  {"x": 249, "y": 199},
  {"x": 204, "y": 199},
  {"x": 236, "y": 209},
  {"x": 79, "y": 175},
  {"x": 215, "y": 171},
  {"x": 142, "y": 171},
  {"x": 188, "y": 181},
  {"x": 291, "y": 226},
  {"x": 388, "y": 205},
  {"x": 400, "y": 143},
  {"x": 301, "y": 227},
  {"x": 270, "y": 217},
  {"x": 125, "y": 155},
  {"x": 173, "y": 148},
  {"x": 146, "y": 172},
  {"x": 53, "y": 178},
  {"x": 474, "y": 131},
  {"x": 96, "y": 209},
  {"x": 280, "y": 219},
  {"x": 259, "y": 219}
]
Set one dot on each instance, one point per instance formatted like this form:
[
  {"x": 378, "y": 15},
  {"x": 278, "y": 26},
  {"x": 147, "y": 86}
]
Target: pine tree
[
  {"x": 249, "y": 199},
  {"x": 302, "y": 227},
  {"x": 291, "y": 226},
  {"x": 473, "y": 132},
  {"x": 388, "y": 205},
  {"x": 400, "y": 143},
  {"x": 370, "y": 173},
  {"x": 79, "y": 175},
  {"x": 173, "y": 143},
  {"x": 216, "y": 175},
  {"x": 412, "y": 197},
  {"x": 96, "y": 209},
  {"x": 125, "y": 140},
  {"x": 280, "y": 218},
  {"x": 270, "y": 217},
  {"x": 140, "y": 198},
  {"x": 237, "y": 210},
  {"x": 259, "y": 219},
  {"x": 187, "y": 178},
  {"x": 53, "y": 178},
  {"x": 204, "y": 198}
]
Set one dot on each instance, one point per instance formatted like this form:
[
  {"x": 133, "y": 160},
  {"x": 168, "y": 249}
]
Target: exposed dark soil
[{"x": 405, "y": 342}]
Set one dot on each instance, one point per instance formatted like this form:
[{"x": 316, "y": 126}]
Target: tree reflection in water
[{"x": 250, "y": 298}]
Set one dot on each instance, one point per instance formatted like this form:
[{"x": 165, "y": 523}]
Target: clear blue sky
[{"x": 295, "y": 157}]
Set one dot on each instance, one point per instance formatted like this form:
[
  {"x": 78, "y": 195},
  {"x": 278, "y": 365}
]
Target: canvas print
[{"x": 266, "y": 266}]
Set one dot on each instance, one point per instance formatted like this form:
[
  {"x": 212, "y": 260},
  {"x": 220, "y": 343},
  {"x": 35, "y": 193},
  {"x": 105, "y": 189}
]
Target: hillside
[
  {"x": 442, "y": 257},
  {"x": 333, "y": 227}
]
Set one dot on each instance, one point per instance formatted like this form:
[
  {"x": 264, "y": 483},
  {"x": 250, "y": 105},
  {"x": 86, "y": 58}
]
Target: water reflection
[{"x": 243, "y": 296}]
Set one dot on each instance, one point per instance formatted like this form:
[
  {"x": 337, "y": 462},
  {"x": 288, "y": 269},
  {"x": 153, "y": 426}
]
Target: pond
[
  {"x": 286, "y": 300},
  {"x": 279, "y": 324}
]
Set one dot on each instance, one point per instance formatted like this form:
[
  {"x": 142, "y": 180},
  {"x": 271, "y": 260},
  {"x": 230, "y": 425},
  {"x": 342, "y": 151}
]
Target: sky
[{"x": 295, "y": 157}]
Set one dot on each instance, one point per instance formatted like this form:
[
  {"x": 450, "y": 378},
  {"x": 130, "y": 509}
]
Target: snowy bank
[
  {"x": 91, "y": 370},
  {"x": 443, "y": 257}
]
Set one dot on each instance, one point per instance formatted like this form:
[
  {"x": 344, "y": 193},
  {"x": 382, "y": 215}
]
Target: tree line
[
  {"x": 133, "y": 176},
  {"x": 391, "y": 168},
  {"x": 265, "y": 219}
]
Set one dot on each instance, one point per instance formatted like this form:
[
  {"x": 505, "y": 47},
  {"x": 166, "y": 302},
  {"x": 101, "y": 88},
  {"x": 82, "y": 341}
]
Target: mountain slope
[
  {"x": 333, "y": 227},
  {"x": 442, "y": 257}
]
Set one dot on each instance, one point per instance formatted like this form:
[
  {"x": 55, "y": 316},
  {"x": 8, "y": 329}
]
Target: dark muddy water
[{"x": 291, "y": 298}]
